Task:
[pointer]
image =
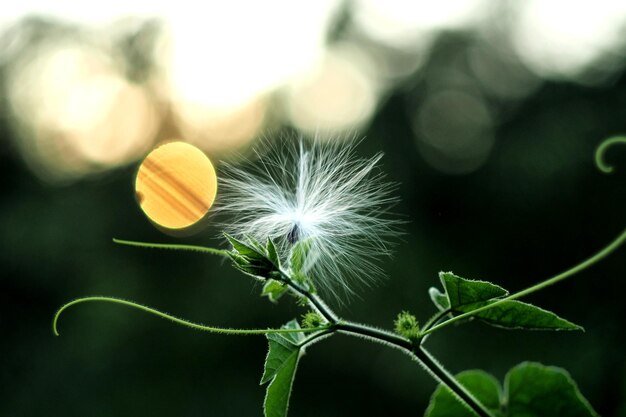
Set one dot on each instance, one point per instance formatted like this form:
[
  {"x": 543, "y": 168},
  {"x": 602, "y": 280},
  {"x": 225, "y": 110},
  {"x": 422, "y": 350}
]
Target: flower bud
[{"x": 406, "y": 325}]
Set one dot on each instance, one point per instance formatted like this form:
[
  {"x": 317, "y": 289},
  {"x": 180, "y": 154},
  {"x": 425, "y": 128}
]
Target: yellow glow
[
  {"x": 219, "y": 130},
  {"x": 215, "y": 70},
  {"x": 176, "y": 185},
  {"x": 339, "y": 94},
  {"x": 235, "y": 51},
  {"x": 78, "y": 114}
]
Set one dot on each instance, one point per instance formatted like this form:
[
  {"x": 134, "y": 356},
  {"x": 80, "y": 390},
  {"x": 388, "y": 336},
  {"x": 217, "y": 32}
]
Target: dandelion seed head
[{"x": 321, "y": 192}]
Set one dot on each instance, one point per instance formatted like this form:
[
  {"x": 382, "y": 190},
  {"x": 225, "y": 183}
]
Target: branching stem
[
  {"x": 422, "y": 355},
  {"x": 415, "y": 350},
  {"x": 335, "y": 324}
]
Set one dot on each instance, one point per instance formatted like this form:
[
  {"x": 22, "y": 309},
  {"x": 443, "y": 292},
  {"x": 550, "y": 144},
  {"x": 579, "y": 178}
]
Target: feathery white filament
[{"x": 320, "y": 192}]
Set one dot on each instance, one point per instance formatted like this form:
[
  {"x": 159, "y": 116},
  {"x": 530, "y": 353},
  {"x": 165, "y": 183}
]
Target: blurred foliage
[{"x": 535, "y": 207}]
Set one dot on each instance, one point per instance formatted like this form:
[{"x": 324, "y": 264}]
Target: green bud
[
  {"x": 311, "y": 320},
  {"x": 406, "y": 325}
]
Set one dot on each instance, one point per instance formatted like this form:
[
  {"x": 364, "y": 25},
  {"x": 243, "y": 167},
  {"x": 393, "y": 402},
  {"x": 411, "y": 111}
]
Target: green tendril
[
  {"x": 177, "y": 320},
  {"x": 543, "y": 284},
  {"x": 610, "y": 248},
  {"x": 604, "y": 146},
  {"x": 192, "y": 248}
]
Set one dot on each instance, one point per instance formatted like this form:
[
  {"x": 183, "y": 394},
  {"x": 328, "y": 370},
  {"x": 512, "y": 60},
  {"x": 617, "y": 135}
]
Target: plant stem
[
  {"x": 421, "y": 355},
  {"x": 388, "y": 338},
  {"x": 374, "y": 333},
  {"x": 334, "y": 324},
  {"x": 193, "y": 248},
  {"x": 383, "y": 336},
  {"x": 177, "y": 320},
  {"x": 315, "y": 301},
  {"x": 434, "y": 319},
  {"x": 543, "y": 284},
  {"x": 395, "y": 340},
  {"x": 323, "y": 333},
  {"x": 448, "y": 380}
]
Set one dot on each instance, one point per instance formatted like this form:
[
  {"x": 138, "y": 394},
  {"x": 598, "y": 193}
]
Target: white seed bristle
[{"x": 322, "y": 192}]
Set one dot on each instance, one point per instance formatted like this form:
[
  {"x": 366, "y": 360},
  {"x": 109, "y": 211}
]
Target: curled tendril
[
  {"x": 600, "y": 162},
  {"x": 177, "y": 320}
]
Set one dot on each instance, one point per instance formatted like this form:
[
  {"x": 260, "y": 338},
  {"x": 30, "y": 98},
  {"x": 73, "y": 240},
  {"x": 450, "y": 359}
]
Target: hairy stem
[
  {"x": 395, "y": 340},
  {"x": 374, "y": 333},
  {"x": 316, "y": 302},
  {"x": 449, "y": 381},
  {"x": 315, "y": 336},
  {"x": 193, "y": 248},
  {"x": 418, "y": 352},
  {"x": 436, "y": 318}
]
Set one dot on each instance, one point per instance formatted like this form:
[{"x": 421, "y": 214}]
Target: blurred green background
[{"x": 492, "y": 150}]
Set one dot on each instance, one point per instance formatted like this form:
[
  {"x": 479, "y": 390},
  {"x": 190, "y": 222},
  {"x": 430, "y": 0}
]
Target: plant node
[
  {"x": 406, "y": 325},
  {"x": 312, "y": 320}
]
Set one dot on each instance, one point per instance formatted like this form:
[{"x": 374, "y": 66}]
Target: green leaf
[
  {"x": 244, "y": 249},
  {"x": 280, "y": 368},
  {"x": 439, "y": 299},
  {"x": 257, "y": 268},
  {"x": 298, "y": 255},
  {"x": 483, "y": 386},
  {"x": 297, "y": 262},
  {"x": 531, "y": 390},
  {"x": 461, "y": 291},
  {"x": 254, "y": 259},
  {"x": 272, "y": 253},
  {"x": 255, "y": 244},
  {"x": 464, "y": 295},
  {"x": 538, "y": 390},
  {"x": 273, "y": 290},
  {"x": 513, "y": 314}
]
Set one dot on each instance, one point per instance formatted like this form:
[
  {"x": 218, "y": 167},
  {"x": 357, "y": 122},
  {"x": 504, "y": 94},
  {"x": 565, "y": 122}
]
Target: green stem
[
  {"x": 327, "y": 332},
  {"x": 448, "y": 380},
  {"x": 388, "y": 338},
  {"x": 193, "y": 248},
  {"x": 316, "y": 302},
  {"x": 551, "y": 281},
  {"x": 418, "y": 352},
  {"x": 434, "y": 319},
  {"x": 374, "y": 333},
  {"x": 176, "y": 320}
]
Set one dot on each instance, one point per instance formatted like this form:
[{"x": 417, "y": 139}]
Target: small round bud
[
  {"x": 311, "y": 320},
  {"x": 406, "y": 325}
]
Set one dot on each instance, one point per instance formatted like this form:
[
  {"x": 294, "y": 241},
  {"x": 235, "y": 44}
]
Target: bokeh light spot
[
  {"x": 454, "y": 130},
  {"x": 176, "y": 185},
  {"x": 76, "y": 113},
  {"x": 339, "y": 94},
  {"x": 563, "y": 39}
]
